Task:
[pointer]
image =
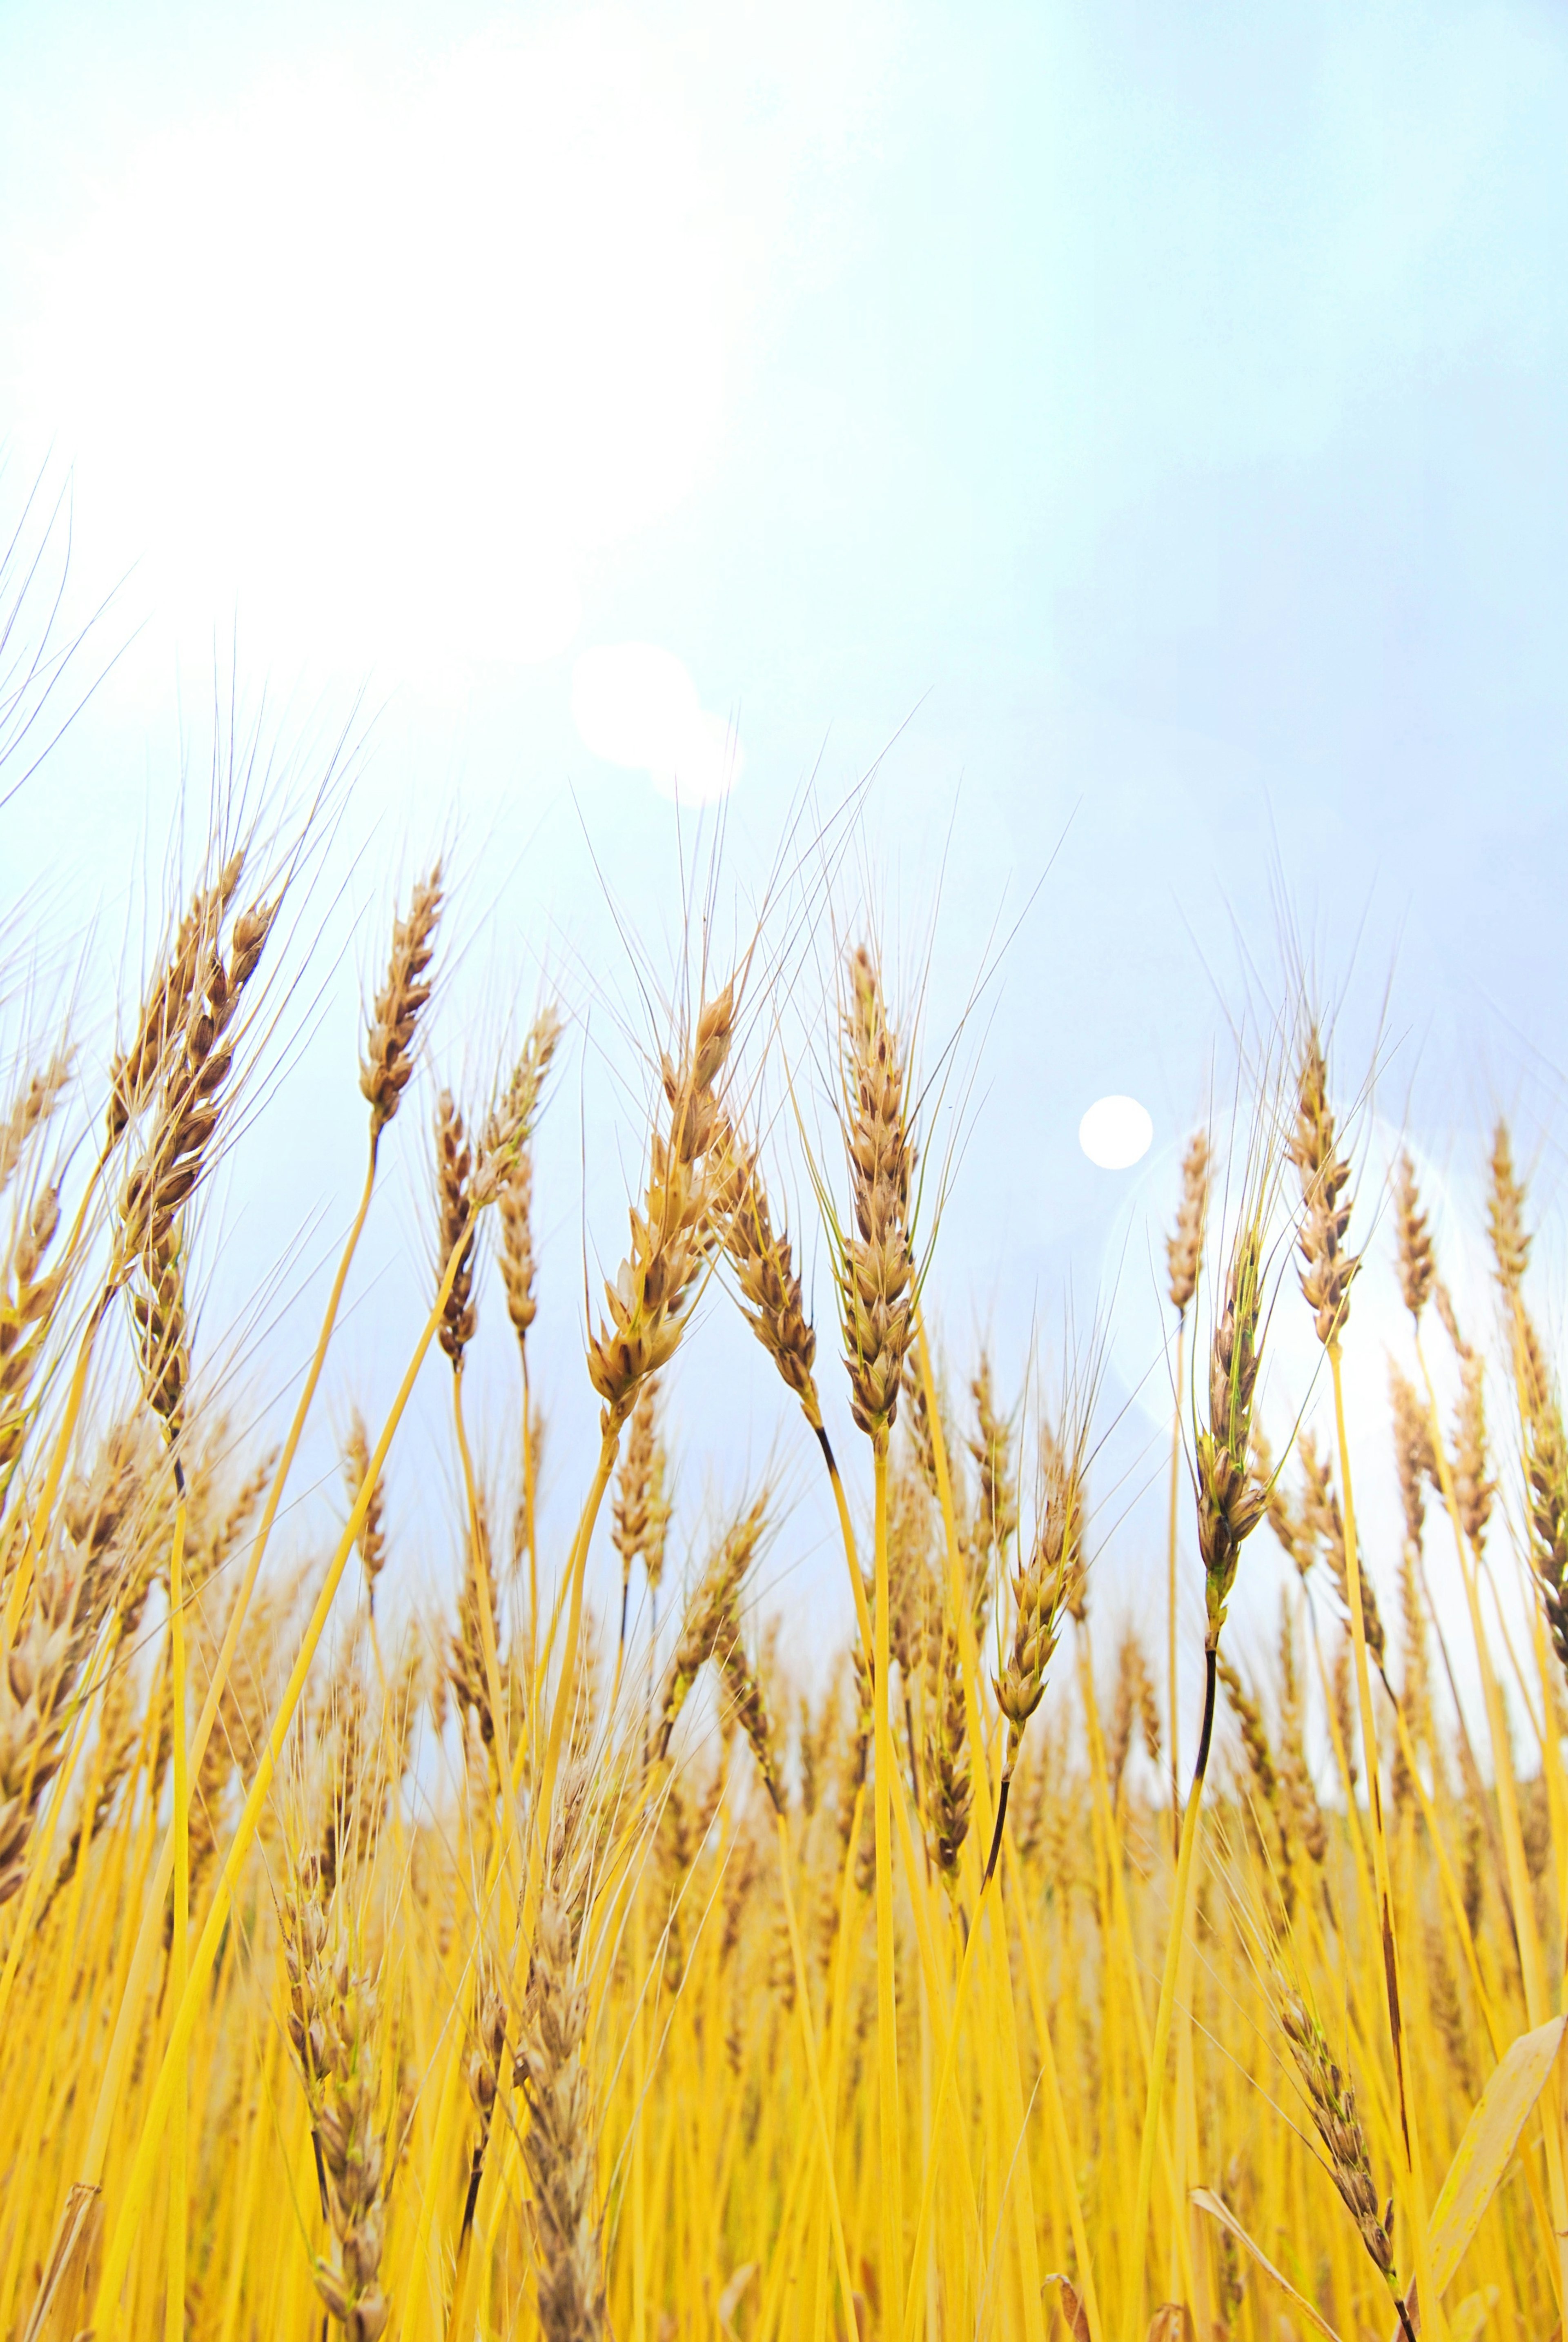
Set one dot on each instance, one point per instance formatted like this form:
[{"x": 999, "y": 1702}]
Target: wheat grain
[
  {"x": 388, "y": 1061},
  {"x": 1185, "y": 1244},
  {"x": 1325, "y": 1280}
]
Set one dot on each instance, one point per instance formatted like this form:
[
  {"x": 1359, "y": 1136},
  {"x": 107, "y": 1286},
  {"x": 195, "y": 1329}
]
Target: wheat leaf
[
  {"x": 1207, "y": 2201},
  {"x": 1489, "y": 2138}
]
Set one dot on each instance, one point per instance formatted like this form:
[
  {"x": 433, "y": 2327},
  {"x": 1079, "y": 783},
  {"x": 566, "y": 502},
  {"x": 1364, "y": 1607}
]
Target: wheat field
[{"x": 499, "y": 1969}]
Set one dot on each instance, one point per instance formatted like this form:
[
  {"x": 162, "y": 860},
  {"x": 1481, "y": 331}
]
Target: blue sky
[{"x": 1149, "y": 423}]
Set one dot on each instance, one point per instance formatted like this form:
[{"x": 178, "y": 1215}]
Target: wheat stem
[
  {"x": 819, "y": 2105},
  {"x": 1172, "y": 1541},
  {"x": 128, "y": 2013},
  {"x": 892, "y": 2153},
  {"x": 1137, "y": 2275},
  {"x": 1410, "y": 2139},
  {"x": 1056, "y": 2113},
  {"x": 480, "y": 1543},
  {"x": 174, "y": 2298},
  {"x": 140, "y": 2176},
  {"x": 1521, "y": 1895},
  {"x": 928, "y": 2191}
]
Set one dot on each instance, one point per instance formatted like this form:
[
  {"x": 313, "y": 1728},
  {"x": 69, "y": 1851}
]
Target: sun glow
[
  {"x": 381, "y": 368},
  {"x": 637, "y": 706}
]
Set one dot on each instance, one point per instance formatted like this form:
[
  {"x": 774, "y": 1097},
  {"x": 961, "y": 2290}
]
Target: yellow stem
[
  {"x": 1173, "y": 1711},
  {"x": 640, "y": 2117},
  {"x": 528, "y": 1537},
  {"x": 944, "y": 2083},
  {"x": 886, "y": 1992},
  {"x": 1138, "y": 2274},
  {"x": 819, "y": 2105},
  {"x": 179, "y": 1959},
  {"x": 1521, "y": 1896},
  {"x": 576, "y": 1567},
  {"x": 128, "y": 2015},
  {"x": 1409, "y": 2130},
  {"x": 539, "y": 1836},
  {"x": 957, "y": 1594},
  {"x": 38, "y": 1521},
  {"x": 500, "y": 1725},
  {"x": 927, "y": 1950},
  {"x": 143, "y": 2164},
  {"x": 1055, "y": 2114}
]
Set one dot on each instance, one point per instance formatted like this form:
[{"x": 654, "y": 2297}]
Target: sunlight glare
[
  {"x": 637, "y": 706},
  {"x": 380, "y": 369}
]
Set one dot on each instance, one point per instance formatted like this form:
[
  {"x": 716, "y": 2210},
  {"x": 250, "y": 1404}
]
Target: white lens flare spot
[
  {"x": 1115, "y": 1133},
  {"x": 636, "y": 706}
]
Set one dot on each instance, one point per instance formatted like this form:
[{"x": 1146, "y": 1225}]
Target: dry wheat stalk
[
  {"x": 974, "y": 1553},
  {"x": 875, "y": 1266},
  {"x": 71, "y": 1598},
  {"x": 1295, "y": 1774},
  {"x": 28, "y": 1292},
  {"x": 560, "y": 2144},
  {"x": 1473, "y": 1490},
  {"x": 913, "y": 1592},
  {"x": 743, "y": 1688},
  {"x": 641, "y": 1516},
  {"x": 137, "y": 1072},
  {"x": 1133, "y": 1706},
  {"x": 196, "y": 1067},
  {"x": 1282, "y": 1512},
  {"x": 770, "y": 1289},
  {"x": 348, "y": 1767},
  {"x": 96, "y": 1515},
  {"x": 654, "y": 1288},
  {"x": 1230, "y": 1502},
  {"x": 1249, "y": 1716},
  {"x": 455, "y": 1227},
  {"x": 1040, "y": 1582},
  {"x": 713, "y": 1615},
  {"x": 1331, "y": 2098},
  {"x": 388, "y": 1062},
  {"x": 1325, "y": 1281},
  {"x": 1418, "y": 1269},
  {"x": 516, "y": 1115},
  {"x": 1415, "y": 1459},
  {"x": 991, "y": 1445},
  {"x": 466, "y": 1665},
  {"x": 1325, "y": 1523},
  {"x": 372, "y": 1538},
  {"x": 30, "y": 1111},
  {"x": 333, "y": 2026},
  {"x": 1545, "y": 1438},
  {"x": 1185, "y": 1246},
  {"x": 949, "y": 1788},
  {"x": 194, "y": 1073},
  {"x": 121, "y": 1717},
  {"x": 244, "y": 1713},
  {"x": 1511, "y": 1240},
  {"x": 1044, "y": 1583},
  {"x": 1546, "y": 1476},
  {"x": 482, "y": 2074},
  {"x": 213, "y": 1535}
]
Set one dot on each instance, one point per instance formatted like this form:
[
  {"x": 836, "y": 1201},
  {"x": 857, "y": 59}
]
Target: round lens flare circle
[{"x": 1115, "y": 1133}]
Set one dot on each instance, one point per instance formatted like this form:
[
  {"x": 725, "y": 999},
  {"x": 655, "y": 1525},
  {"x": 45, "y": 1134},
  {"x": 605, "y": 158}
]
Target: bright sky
[{"x": 1160, "y": 410}]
